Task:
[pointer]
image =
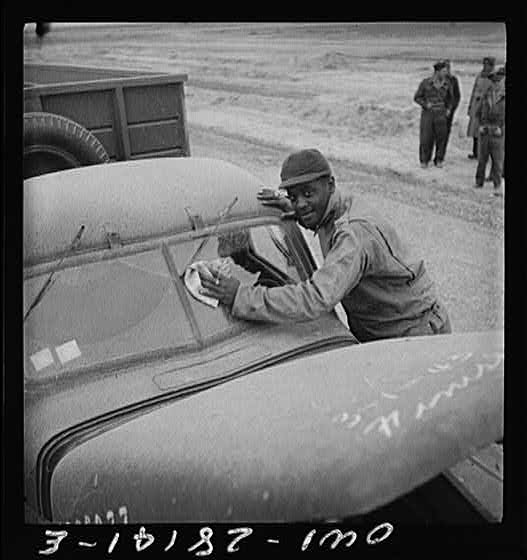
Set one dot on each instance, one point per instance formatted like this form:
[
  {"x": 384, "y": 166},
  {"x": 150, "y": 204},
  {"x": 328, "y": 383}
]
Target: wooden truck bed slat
[{"x": 132, "y": 115}]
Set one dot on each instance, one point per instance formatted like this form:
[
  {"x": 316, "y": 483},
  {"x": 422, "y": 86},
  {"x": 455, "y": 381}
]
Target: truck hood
[{"x": 324, "y": 436}]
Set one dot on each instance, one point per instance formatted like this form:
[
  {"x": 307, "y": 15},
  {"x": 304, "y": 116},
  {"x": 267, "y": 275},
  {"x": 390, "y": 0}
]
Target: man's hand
[
  {"x": 271, "y": 197},
  {"x": 428, "y": 105},
  {"x": 221, "y": 287}
]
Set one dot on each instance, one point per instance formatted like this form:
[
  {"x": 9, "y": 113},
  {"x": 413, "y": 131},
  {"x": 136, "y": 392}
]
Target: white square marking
[
  {"x": 42, "y": 358},
  {"x": 68, "y": 351}
]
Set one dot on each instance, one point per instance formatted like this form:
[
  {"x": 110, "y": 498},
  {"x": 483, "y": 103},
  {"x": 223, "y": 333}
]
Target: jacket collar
[{"x": 334, "y": 210}]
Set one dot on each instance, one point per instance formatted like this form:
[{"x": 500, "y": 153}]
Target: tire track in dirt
[{"x": 442, "y": 199}]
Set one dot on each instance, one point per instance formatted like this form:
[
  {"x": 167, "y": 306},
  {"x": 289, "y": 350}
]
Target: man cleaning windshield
[{"x": 385, "y": 293}]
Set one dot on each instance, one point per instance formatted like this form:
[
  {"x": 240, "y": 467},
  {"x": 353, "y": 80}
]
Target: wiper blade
[
  {"x": 49, "y": 281},
  {"x": 222, "y": 215}
]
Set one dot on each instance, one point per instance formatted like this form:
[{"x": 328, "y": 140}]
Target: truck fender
[{"x": 53, "y": 142}]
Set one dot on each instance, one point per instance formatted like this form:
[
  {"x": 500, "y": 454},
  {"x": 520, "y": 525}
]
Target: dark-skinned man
[{"x": 385, "y": 293}]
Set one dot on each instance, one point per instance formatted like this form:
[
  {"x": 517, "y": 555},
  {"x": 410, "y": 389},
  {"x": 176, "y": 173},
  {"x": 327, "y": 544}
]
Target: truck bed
[{"x": 134, "y": 115}]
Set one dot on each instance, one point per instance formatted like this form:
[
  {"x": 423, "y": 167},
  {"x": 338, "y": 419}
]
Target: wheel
[{"x": 53, "y": 142}]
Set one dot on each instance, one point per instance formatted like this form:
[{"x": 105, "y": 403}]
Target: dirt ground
[{"x": 257, "y": 91}]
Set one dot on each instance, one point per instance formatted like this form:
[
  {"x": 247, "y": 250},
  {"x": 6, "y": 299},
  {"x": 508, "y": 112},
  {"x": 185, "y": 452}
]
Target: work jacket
[
  {"x": 491, "y": 112},
  {"x": 441, "y": 98},
  {"x": 385, "y": 293},
  {"x": 481, "y": 85}
]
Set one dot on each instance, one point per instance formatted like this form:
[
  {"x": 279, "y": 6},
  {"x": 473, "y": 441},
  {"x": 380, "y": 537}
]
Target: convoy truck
[{"x": 75, "y": 115}]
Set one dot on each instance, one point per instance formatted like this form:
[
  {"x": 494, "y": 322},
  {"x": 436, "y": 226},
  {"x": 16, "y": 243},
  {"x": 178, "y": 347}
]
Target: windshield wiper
[
  {"x": 222, "y": 216},
  {"x": 49, "y": 281}
]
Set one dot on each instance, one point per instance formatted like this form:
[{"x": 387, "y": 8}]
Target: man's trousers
[
  {"x": 493, "y": 147},
  {"x": 433, "y": 132}
]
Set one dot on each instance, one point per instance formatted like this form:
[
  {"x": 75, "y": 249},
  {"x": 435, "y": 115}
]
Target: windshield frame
[{"x": 301, "y": 256}]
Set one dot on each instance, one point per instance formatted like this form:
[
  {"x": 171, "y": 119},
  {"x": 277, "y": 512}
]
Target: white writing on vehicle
[
  {"x": 383, "y": 424},
  {"x": 387, "y": 424},
  {"x": 438, "y": 368},
  {"x": 465, "y": 381},
  {"x": 110, "y": 517}
]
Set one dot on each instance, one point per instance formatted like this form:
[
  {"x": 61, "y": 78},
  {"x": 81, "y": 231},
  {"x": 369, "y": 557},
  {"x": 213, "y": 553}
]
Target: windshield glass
[{"x": 131, "y": 305}]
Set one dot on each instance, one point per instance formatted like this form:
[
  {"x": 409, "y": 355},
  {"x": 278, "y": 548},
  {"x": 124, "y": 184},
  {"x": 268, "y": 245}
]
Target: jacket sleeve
[
  {"x": 419, "y": 96},
  {"x": 342, "y": 270},
  {"x": 478, "y": 113},
  {"x": 449, "y": 98},
  {"x": 456, "y": 94},
  {"x": 472, "y": 96}
]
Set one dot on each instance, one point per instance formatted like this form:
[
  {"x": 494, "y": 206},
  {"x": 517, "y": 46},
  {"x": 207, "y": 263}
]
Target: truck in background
[{"x": 76, "y": 115}]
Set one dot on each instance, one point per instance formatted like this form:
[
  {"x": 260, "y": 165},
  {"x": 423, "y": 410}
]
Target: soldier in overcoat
[{"x": 481, "y": 85}]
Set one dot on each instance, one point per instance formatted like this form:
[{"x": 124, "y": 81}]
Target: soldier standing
[
  {"x": 481, "y": 85},
  {"x": 456, "y": 97},
  {"x": 434, "y": 95},
  {"x": 491, "y": 116}
]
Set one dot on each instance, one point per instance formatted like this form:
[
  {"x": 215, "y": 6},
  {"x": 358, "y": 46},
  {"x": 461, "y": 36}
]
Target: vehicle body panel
[
  {"x": 325, "y": 436},
  {"x": 138, "y": 200},
  {"x": 266, "y": 422}
]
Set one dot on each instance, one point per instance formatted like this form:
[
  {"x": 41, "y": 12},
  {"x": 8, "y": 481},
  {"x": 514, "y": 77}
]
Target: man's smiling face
[{"x": 310, "y": 200}]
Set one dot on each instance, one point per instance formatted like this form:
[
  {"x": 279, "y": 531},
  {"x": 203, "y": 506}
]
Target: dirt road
[{"x": 257, "y": 91}]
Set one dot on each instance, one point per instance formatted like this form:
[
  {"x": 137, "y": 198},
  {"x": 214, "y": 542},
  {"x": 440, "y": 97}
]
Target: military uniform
[
  {"x": 481, "y": 85},
  {"x": 436, "y": 99},
  {"x": 385, "y": 293},
  {"x": 491, "y": 117}
]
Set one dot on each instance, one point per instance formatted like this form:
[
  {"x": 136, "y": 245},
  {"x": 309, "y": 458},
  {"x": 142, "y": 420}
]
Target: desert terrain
[{"x": 257, "y": 91}]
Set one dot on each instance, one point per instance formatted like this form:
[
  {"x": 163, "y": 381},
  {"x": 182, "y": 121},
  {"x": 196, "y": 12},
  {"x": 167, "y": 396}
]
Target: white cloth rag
[{"x": 207, "y": 268}]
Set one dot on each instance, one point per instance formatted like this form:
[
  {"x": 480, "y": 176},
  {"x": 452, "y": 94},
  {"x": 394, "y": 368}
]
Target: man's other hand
[
  {"x": 221, "y": 287},
  {"x": 271, "y": 197}
]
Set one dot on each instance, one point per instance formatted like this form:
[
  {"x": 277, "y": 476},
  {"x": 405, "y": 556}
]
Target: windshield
[{"x": 124, "y": 307}]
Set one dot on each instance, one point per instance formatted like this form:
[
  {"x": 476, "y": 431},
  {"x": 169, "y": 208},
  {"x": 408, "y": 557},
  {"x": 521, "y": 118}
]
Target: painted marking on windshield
[
  {"x": 68, "y": 351},
  {"x": 42, "y": 359}
]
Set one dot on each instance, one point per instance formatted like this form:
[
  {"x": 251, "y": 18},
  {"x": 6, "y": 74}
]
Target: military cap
[
  {"x": 501, "y": 71},
  {"x": 303, "y": 166},
  {"x": 489, "y": 60},
  {"x": 439, "y": 65}
]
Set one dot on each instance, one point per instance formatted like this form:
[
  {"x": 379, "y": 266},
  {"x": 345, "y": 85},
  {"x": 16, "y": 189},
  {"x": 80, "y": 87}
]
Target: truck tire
[{"x": 53, "y": 142}]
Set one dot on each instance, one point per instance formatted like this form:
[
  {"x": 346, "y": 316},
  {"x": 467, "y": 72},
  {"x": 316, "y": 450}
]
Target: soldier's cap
[
  {"x": 439, "y": 65},
  {"x": 489, "y": 60},
  {"x": 303, "y": 166},
  {"x": 501, "y": 71}
]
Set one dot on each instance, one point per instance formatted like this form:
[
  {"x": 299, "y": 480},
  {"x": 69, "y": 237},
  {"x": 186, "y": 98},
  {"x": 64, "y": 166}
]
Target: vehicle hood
[{"x": 324, "y": 436}]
